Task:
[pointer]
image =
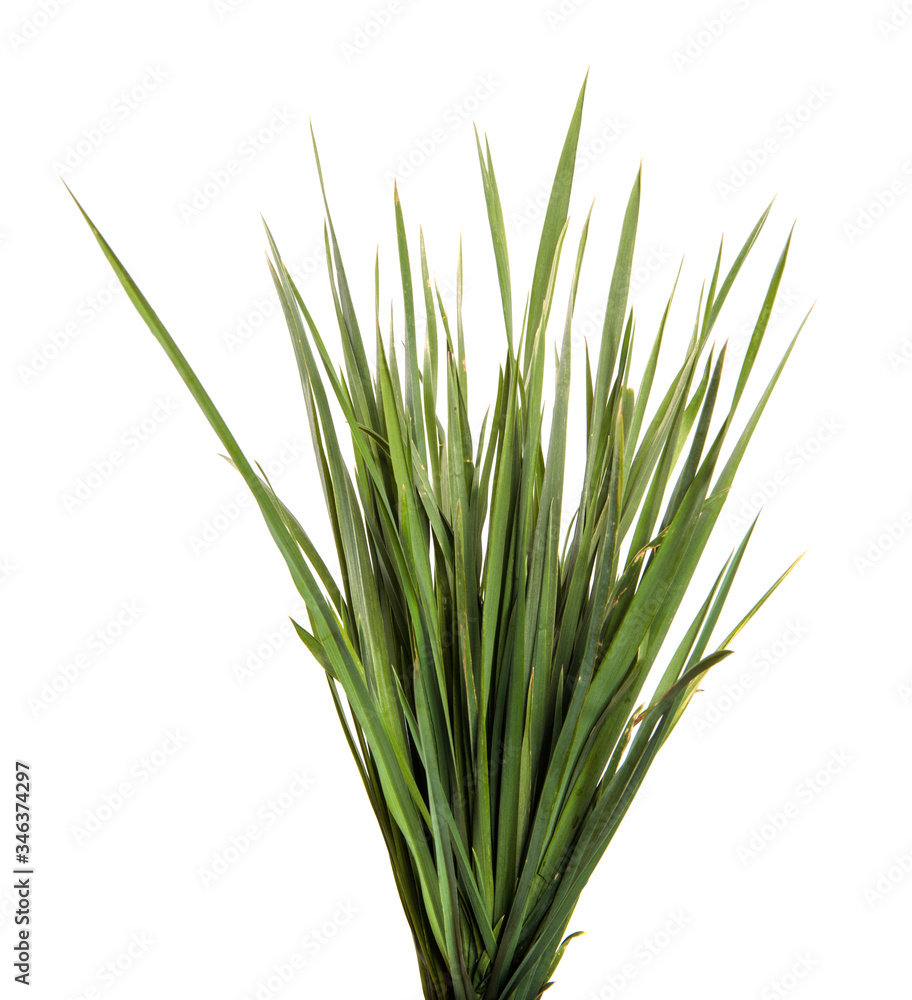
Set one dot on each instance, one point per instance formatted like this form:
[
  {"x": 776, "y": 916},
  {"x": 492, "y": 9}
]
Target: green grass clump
[{"x": 488, "y": 677}]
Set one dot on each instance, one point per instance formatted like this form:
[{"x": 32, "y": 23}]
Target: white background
[{"x": 808, "y": 724}]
